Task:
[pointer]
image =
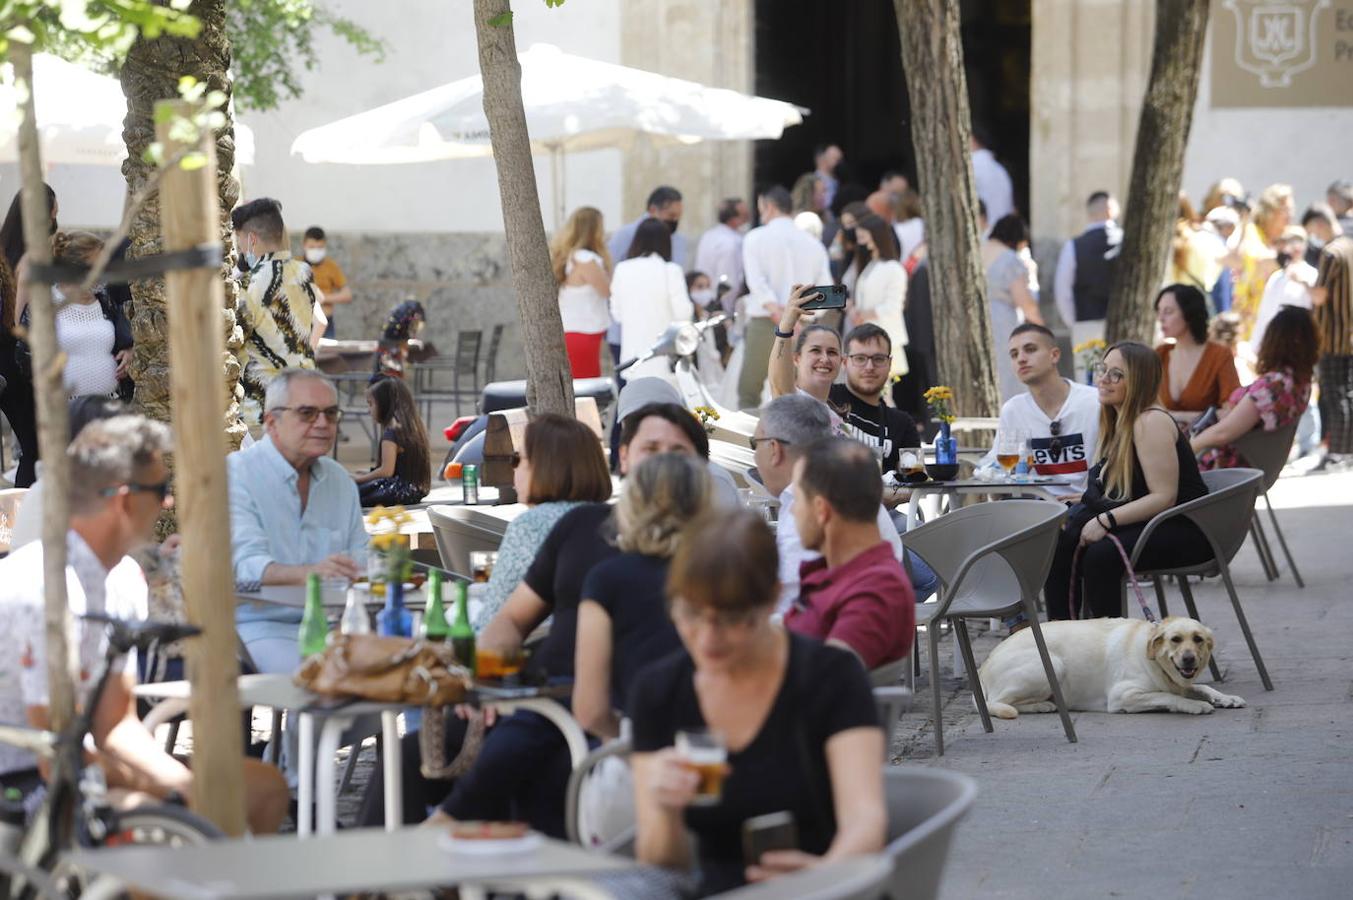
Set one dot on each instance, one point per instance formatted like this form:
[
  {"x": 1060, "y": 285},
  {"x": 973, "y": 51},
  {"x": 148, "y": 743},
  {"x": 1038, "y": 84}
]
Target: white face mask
[
  {"x": 704, "y": 297},
  {"x": 314, "y": 255}
]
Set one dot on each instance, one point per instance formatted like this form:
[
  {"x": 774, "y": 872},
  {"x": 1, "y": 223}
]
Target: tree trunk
[
  {"x": 53, "y": 425},
  {"x": 932, "y": 56},
  {"x": 549, "y": 381},
  {"x": 151, "y": 73},
  {"x": 1157, "y": 167}
]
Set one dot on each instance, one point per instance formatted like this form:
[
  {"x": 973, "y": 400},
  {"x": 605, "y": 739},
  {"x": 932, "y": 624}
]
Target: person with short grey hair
[
  {"x": 110, "y": 456},
  {"x": 787, "y": 427},
  {"x": 293, "y": 510}
]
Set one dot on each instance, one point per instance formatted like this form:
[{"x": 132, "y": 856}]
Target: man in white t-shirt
[{"x": 1060, "y": 417}]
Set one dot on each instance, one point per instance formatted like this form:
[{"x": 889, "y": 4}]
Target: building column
[
  {"x": 709, "y": 43},
  {"x": 1091, "y": 59}
]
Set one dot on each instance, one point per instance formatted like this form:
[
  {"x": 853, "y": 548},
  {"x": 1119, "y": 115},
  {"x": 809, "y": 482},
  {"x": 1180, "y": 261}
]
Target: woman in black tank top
[{"x": 1144, "y": 466}]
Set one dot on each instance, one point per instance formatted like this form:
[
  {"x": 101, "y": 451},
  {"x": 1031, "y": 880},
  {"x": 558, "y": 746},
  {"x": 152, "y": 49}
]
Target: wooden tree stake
[{"x": 190, "y": 216}]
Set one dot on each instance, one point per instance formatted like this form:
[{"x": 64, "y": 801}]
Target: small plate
[{"x": 532, "y": 840}]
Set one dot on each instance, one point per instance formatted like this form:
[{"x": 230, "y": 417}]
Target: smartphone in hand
[
  {"x": 829, "y": 296},
  {"x": 773, "y": 831}
]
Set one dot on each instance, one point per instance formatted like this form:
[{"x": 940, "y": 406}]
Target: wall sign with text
[{"x": 1282, "y": 53}]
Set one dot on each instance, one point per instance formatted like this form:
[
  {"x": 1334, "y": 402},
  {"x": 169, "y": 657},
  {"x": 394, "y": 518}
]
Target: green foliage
[
  {"x": 271, "y": 39},
  {"x": 207, "y": 116},
  {"x": 99, "y": 27}
]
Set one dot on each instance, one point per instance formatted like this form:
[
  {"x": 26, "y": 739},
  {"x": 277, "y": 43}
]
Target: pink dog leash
[{"x": 1127, "y": 565}]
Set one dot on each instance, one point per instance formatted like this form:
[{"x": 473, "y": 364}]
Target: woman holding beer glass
[{"x": 749, "y": 720}]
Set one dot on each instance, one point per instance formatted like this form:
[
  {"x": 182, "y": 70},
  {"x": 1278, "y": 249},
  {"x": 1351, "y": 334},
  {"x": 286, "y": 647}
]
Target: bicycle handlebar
[{"x": 124, "y": 635}]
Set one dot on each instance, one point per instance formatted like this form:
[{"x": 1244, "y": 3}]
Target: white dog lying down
[{"x": 1114, "y": 665}]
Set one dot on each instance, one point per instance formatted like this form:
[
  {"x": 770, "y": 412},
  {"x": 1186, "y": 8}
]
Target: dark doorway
[{"x": 843, "y": 61}]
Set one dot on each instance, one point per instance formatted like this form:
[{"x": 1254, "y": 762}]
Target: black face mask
[
  {"x": 672, "y": 225},
  {"x": 848, "y": 234},
  {"x": 1283, "y": 259}
]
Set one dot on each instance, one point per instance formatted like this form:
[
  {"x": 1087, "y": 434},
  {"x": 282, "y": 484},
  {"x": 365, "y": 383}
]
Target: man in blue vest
[{"x": 1084, "y": 269}]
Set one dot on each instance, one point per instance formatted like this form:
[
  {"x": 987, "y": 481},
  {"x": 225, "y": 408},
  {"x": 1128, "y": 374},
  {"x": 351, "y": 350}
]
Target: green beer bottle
[
  {"x": 462, "y": 634},
  {"x": 314, "y": 631},
  {"x": 435, "y": 626}
]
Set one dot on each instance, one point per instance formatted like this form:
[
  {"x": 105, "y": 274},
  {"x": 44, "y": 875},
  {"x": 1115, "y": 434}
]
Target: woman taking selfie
[
  {"x": 809, "y": 363},
  {"x": 1143, "y": 467},
  {"x": 1198, "y": 373},
  {"x": 796, "y": 719}
]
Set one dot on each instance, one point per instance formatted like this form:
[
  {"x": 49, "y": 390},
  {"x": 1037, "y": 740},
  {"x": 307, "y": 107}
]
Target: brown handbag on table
[{"x": 386, "y": 670}]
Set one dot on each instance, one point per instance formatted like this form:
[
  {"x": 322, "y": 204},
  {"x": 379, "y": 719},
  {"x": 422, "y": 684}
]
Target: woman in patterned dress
[{"x": 1275, "y": 399}]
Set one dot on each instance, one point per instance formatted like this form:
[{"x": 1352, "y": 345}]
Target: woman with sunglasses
[
  {"x": 1143, "y": 467},
  {"x": 796, "y": 718}
]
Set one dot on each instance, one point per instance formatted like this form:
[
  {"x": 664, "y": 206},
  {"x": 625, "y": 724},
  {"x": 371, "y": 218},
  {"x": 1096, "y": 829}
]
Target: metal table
[
  {"x": 406, "y": 859},
  {"x": 316, "y": 790},
  {"x": 1037, "y": 489}
]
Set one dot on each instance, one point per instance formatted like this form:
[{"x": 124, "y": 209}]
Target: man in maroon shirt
[{"x": 857, "y": 595}]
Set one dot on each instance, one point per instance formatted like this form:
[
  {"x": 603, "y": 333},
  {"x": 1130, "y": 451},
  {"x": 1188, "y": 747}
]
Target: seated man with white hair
[
  {"x": 293, "y": 511},
  {"x": 789, "y": 425}
]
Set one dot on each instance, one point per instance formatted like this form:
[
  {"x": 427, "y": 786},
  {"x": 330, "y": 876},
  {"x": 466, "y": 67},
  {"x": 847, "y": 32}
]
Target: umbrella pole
[{"x": 557, "y": 183}]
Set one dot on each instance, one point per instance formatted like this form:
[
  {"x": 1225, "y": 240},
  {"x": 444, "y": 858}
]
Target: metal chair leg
[
  {"x": 172, "y": 737},
  {"x": 1160, "y": 597},
  {"x": 349, "y": 767},
  {"x": 1262, "y": 548},
  {"x": 1245, "y": 627},
  {"x": 933, "y": 639},
  {"x": 273, "y": 753},
  {"x": 974, "y": 683},
  {"x": 1051, "y": 673},
  {"x": 1282, "y": 542},
  {"x": 1193, "y": 614}
]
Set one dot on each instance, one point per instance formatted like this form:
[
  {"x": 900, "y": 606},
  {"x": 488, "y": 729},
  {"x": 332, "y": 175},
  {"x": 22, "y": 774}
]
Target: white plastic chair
[
  {"x": 1223, "y": 516},
  {"x": 924, "y": 808},
  {"x": 1267, "y": 451},
  {"x": 991, "y": 559}
]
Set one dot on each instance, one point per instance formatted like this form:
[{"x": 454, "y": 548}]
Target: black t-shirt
[
  {"x": 876, "y": 426},
  {"x": 630, "y": 587},
  {"x": 403, "y": 468},
  {"x": 825, "y": 691},
  {"x": 579, "y": 541}
]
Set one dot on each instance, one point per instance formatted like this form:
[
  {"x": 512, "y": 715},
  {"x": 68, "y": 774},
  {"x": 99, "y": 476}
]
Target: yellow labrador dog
[{"x": 1113, "y": 665}]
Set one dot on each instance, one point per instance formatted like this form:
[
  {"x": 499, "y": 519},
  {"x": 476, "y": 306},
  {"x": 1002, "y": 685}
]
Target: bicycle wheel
[{"x": 171, "y": 826}]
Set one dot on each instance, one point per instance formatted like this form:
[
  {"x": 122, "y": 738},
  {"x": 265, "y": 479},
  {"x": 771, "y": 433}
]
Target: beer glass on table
[
  {"x": 704, "y": 753},
  {"x": 1009, "y": 451}
]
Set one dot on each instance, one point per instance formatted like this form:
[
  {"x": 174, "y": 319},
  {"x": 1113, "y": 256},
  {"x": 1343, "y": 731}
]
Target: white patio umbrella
[
  {"x": 572, "y": 103},
  {"x": 80, "y": 116}
]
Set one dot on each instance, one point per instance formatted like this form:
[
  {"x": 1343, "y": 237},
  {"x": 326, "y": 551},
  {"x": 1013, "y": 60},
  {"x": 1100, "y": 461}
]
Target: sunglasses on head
[{"x": 160, "y": 489}]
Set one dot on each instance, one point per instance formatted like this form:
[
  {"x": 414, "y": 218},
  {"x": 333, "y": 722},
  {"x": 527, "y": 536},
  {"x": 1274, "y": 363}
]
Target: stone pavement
[{"x": 1254, "y": 802}]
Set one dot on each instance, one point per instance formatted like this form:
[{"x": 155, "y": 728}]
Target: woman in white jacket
[
  {"x": 881, "y": 289},
  {"x": 648, "y": 293}
]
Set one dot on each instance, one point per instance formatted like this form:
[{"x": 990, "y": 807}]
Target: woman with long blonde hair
[
  {"x": 1144, "y": 466},
  {"x": 582, "y": 267},
  {"x": 622, "y": 614}
]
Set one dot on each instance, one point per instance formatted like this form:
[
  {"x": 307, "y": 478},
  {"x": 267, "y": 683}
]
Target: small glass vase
[{"x": 946, "y": 447}]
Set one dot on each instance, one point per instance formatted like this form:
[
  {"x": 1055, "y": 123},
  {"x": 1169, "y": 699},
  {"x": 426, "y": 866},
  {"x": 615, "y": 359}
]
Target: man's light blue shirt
[{"x": 268, "y": 526}]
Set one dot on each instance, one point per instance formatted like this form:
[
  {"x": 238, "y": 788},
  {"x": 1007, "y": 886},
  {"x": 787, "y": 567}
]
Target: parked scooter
[{"x": 680, "y": 343}]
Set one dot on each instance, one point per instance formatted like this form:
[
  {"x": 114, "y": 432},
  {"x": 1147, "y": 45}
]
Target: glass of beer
[
  {"x": 1008, "y": 452},
  {"x": 705, "y": 753},
  {"x": 482, "y": 563},
  {"x": 496, "y": 664}
]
